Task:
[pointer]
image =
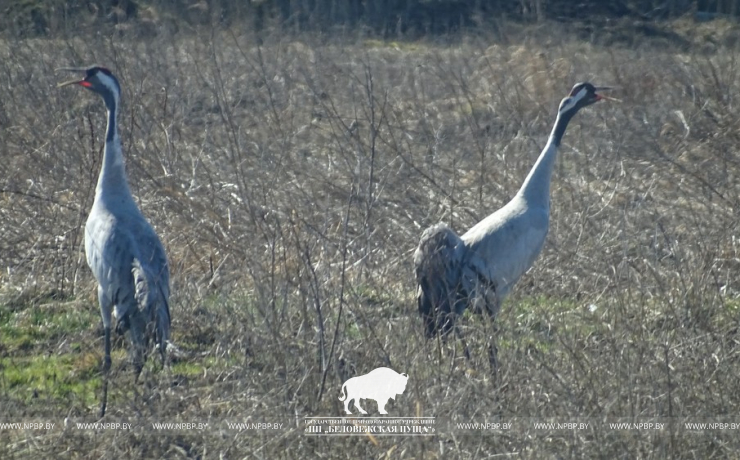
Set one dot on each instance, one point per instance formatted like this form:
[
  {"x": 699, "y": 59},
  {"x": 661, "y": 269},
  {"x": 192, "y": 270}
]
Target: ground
[{"x": 290, "y": 179}]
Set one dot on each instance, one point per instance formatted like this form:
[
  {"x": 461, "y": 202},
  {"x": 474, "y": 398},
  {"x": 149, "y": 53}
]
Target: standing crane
[
  {"x": 479, "y": 269},
  {"x": 122, "y": 249}
]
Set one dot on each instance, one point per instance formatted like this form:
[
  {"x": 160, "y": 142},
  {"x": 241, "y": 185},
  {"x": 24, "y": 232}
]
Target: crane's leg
[
  {"x": 159, "y": 340},
  {"x": 106, "y": 307},
  {"x": 461, "y": 302},
  {"x": 493, "y": 354},
  {"x": 163, "y": 354},
  {"x": 137, "y": 336},
  {"x": 160, "y": 334},
  {"x": 492, "y": 307},
  {"x": 106, "y": 372}
]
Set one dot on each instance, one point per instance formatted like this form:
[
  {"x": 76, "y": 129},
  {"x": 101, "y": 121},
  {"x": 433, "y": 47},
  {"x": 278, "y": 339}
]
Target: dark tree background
[{"x": 384, "y": 18}]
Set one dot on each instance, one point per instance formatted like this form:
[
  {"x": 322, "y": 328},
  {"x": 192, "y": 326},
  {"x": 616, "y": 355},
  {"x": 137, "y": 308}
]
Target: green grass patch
[
  {"x": 392, "y": 44},
  {"x": 541, "y": 314},
  {"x": 372, "y": 296},
  {"x": 188, "y": 369},
  {"x": 54, "y": 377},
  {"x": 538, "y": 322},
  {"x": 37, "y": 325},
  {"x": 732, "y": 308},
  {"x": 352, "y": 331},
  {"x": 210, "y": 363}
]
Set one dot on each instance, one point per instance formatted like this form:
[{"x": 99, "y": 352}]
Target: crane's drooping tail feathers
[
  {"x": 153, "y": 312},
  {"x": 438, "y": 261}
]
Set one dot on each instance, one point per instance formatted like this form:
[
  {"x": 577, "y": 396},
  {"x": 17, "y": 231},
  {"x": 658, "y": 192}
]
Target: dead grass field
[{"x": 290, "y": 183}]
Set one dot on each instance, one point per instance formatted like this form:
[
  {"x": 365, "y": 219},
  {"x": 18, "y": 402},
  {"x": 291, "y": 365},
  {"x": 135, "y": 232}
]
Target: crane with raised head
[
  {"x": 122, "y": 249},
  {"x": 478, "y": 269}
]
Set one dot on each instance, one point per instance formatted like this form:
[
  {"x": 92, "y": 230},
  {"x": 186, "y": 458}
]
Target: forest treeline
[{"x": 385, "y": 18}]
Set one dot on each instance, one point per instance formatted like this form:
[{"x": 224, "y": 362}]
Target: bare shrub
[{"x": 290, "y": 182}]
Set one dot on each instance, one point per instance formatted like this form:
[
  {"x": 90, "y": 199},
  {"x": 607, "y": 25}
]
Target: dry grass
[{"x": 290, "y": 183}]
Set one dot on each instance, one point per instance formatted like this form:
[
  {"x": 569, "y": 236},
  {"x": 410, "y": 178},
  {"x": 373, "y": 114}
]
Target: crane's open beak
[
  {"x": 606, "y": 98},
  {"x": 82, "y": 82}
]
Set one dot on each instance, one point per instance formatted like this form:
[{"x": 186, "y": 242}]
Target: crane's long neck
[
  {"x": 536, "y": 187},
  {"x": 112, "y": 178}
]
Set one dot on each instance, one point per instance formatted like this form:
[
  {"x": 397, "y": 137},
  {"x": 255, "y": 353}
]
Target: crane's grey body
[
  {"x": 479, "y": 269},
  {"x": 510, "y": 240},
  {"x": 123, "y": 251}
]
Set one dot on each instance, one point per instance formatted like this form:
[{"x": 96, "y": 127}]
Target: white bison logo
[{"x": 381, "y": 385}]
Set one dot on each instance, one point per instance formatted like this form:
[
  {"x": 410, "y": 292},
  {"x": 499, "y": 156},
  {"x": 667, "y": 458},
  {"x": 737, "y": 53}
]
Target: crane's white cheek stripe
[
  {"x": 109, "y": 84},
  {"x": 580, "y": 94},
  {"x": 569, "y": 104}
]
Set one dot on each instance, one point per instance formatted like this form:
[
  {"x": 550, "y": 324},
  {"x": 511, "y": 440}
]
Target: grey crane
[
  {"x": 122, "y": 249},
  {"x": 478, "y": 269}
]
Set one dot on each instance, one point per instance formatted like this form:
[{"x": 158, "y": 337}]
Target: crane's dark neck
[
  {"x": 536, "y": 187},
  {"x": 112, "y": 179},
  {"x": 111, "y": 103},
  {"x": 560, "y": 124}
]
